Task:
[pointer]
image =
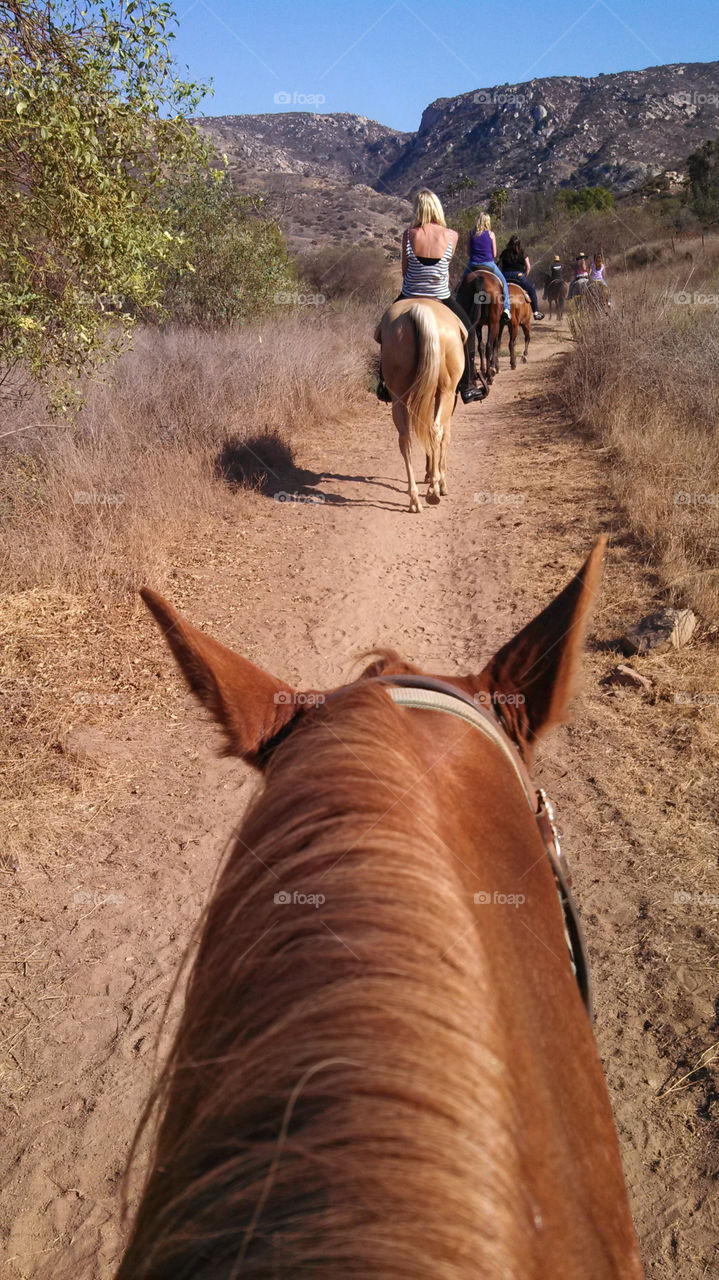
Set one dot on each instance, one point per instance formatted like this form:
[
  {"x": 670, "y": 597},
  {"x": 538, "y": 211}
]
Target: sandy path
[{"x": 301, "y": 587}]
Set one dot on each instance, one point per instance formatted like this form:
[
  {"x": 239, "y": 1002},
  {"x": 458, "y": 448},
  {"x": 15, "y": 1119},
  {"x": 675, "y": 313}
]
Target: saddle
[{"x": 514, "y": 284}]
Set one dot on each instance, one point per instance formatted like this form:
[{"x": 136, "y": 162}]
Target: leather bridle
[
  {"x": 421, "y": 692},
  {"x": 425, "y": 692}
]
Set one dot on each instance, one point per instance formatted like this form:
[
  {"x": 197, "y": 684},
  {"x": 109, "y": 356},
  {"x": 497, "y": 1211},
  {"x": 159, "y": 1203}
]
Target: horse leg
[
  {"x": 512, "y": 340},
  {"x": 478, "y": 333},
  {"x": 401, "y": 421},
  {"x": 446, "y": 408},
  {"x": 527, "y": 333},
  {"x": 428, "y": 470},
  {"x": 495, "y": 332},
  {"x": 434, "y": 490},
  {"x": 488, "y": 363}
]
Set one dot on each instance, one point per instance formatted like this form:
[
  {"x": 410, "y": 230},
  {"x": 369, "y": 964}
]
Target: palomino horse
[
  {"x": 384, "y": 1067},
  {"x": 521, "y": 308},
  {"x": 422, "y": 363},
  {"x": 556, "y": 293},
  {"x": 480, "y": 294}
]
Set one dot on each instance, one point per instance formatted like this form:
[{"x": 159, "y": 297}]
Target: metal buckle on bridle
[
  {"x": 547, "y": 823},
  {"x": 549, "y": 828}
]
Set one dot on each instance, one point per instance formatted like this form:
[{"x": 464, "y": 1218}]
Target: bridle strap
[
  {"x": 426, "y": 693},
  {"x": 418, "y": 692}
]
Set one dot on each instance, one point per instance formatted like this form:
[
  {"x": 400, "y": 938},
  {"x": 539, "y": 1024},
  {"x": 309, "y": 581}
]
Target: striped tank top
[{"x": 427, "y": 277}]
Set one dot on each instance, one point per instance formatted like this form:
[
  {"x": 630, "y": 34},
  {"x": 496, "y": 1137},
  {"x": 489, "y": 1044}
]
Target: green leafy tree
[
  {"x": 497, "y": 203},
  {"x": 92, "y": 124},
  {"x": 576, "y": 201},
  {"x": 229, "y": 261},
  {"x": 455, "y": 188},
  {"x": 703, "y": 168}
]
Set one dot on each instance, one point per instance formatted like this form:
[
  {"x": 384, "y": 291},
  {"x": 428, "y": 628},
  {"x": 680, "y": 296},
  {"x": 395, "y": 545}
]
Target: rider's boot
[
  {"x": 383, "y": 392},
  {"x": 468, "y": 388}
]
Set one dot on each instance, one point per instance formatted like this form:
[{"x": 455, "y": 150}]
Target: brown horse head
[{"x": 384, "y": 1067}]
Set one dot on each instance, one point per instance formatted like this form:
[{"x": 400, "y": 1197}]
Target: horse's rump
[
  {"x": 418, "y": 373},
  {"x": 518, "y": 293}
]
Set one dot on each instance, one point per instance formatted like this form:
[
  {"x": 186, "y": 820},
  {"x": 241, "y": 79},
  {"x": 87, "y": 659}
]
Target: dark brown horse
[
  {"x": 384, "y": 1067},
  {"x": 480, "y": 294},
  {"x": 521, "y": 308},
  {"x": 556, "y": 294}
]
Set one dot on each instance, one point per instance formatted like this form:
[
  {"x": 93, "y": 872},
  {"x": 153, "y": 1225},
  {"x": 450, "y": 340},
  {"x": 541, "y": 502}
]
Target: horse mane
[{"x": 334, "y": 1104}]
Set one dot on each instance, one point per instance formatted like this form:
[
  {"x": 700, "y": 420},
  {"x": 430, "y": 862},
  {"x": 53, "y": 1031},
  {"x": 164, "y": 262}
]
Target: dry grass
[
  {"x": 97, "y": 506},
  {"x": 643, "y": 380},
  {"x": 131, "y": 490}
]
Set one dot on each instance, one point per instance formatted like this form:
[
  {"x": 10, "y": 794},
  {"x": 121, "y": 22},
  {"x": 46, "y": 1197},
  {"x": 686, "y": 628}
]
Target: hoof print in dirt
[
  {"x": 659, "y": 630},
  {"x": 627, "y": 677}
]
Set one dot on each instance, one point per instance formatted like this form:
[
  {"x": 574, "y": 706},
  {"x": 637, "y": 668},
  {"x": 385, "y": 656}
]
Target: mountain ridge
[{"x": 615, "y": 129}]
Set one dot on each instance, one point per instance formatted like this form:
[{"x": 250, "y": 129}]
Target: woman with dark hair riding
[
  {"x": 427, "y": 249},
  {"x": 516, "y": 266}
]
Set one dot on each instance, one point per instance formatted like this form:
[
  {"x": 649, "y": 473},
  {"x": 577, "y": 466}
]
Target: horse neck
[
  {"x": 355, "y": 1076},
  {"x": 350, "y": 1023}
]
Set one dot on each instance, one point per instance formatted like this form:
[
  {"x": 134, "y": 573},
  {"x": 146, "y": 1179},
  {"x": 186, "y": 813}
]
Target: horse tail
[{"x": 420, "y": 398}]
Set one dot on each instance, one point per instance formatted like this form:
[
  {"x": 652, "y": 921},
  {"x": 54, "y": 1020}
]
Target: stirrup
[{"x": 472, "y": 393}]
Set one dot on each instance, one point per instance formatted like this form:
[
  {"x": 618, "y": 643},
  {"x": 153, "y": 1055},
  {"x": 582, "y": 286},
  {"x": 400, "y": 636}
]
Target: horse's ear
[
  {"x": 249, "y": 704},
  {"x": 532, "y": 678}
]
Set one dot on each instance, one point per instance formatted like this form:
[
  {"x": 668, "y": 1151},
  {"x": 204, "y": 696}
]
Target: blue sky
[{"x": 387, "y": 59}]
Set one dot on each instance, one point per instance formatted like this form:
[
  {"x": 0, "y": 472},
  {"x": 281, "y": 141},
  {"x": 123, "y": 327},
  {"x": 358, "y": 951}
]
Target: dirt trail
[{"x": 302, "y": 586}]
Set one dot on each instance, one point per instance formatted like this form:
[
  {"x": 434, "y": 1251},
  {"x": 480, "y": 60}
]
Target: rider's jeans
[{"x": 526, "y": 284}]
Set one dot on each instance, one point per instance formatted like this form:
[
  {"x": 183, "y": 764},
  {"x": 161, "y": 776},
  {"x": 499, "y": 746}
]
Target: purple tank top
[{"x": 480, "y": 248}]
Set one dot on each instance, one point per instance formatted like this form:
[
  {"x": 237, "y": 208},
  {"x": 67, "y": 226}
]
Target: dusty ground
[{"x": 109, "y": 862}]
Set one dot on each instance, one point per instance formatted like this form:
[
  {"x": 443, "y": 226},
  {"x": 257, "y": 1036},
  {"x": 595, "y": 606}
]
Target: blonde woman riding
[{"x": 427, "y": 250}]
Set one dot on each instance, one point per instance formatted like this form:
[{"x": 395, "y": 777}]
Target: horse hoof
[
  {"x": 524, "y": 359},
  {"x": 443, "y": 491},
  {"x": 432, "y": 498},
  {"x": 414, "y": 507}
]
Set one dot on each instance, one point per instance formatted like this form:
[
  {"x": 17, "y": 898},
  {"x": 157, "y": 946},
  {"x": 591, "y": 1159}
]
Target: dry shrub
[
  {"x": 359, "y": 272},
  {"x": 643, "y": 379},
  {"x": 135, "y": 491},
  {"x": 97, "y": 506}
]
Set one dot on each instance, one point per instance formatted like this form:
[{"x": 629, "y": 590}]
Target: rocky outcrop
[
  {"x": 308, "y": 144},
  {"x": 564, "y": 130},
  {"x": 346, "y": 177},
  {"x": 614, "y": 130}
]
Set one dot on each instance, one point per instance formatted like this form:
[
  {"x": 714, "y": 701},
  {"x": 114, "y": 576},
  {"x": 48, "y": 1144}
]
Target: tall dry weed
[
  {"x": 97, "y": 506},
  {"x": 644, "y": 380}
]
